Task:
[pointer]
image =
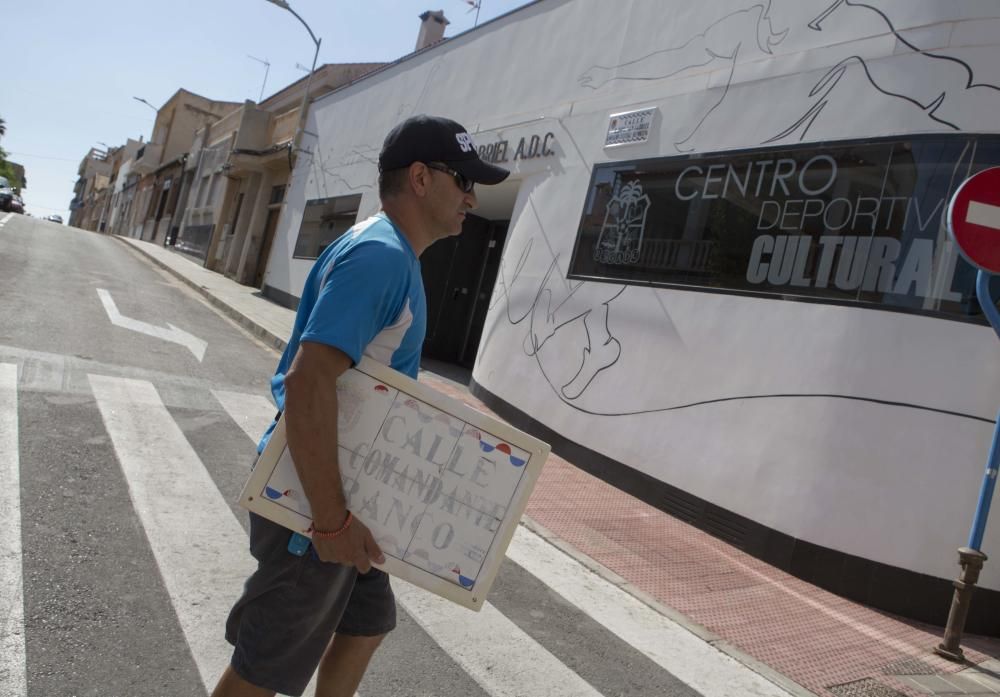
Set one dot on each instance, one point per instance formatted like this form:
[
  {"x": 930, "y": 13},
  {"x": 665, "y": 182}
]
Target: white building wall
[{"x": 699, "y": 396}]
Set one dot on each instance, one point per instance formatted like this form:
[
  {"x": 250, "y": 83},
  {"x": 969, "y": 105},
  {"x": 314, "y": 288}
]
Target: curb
[{"x": 762, "y": 669}]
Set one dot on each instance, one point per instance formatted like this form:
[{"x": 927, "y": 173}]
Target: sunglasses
[{"x": 463, "y": 182}]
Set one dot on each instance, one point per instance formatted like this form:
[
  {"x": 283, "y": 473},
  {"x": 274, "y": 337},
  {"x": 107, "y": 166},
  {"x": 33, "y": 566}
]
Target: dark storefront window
[
  {"x": 163, "y": 199},
  {"x": 323, "y": 222},
  {"x": 840, "y": 222},
  {"x": 195, "y": 239}
]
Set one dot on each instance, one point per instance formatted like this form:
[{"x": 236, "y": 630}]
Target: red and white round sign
[{"x": 974, "y": 219}]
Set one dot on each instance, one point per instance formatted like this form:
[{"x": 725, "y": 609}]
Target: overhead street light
[
  {"x": 140, "y": 99},
  {"x": 305, "y": 97}
]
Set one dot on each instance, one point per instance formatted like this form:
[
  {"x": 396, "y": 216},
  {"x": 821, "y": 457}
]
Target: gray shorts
[{"x": 291, "y": 607}]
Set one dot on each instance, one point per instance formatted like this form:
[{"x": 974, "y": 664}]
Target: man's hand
[
  {"x": 311, "y": 411},
  {"x": 355, "y": 547}
]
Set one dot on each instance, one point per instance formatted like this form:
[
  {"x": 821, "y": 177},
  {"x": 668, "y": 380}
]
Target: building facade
[
  {"x": 238, "y": 172},
  {"x": 160, "y": 163},
  {"x": 718, "y": 275},
  {"x": 93, "y": 176},
  {"x": 122, "y": 183}
]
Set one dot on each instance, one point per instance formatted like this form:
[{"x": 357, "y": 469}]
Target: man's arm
[{"x": 311, "y": 428}]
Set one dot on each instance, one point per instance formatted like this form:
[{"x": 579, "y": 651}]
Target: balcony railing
[
  {"x": 283, "y": 127},
  {"x": 677, "y": 255},
  {"x": 227, "y": 124}
]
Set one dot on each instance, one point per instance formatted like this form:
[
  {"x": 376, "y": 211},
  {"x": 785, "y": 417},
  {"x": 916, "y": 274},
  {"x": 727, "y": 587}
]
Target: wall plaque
[{"x": 629, "y": 127}]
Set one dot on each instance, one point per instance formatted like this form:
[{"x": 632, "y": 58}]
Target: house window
[
  {"x": 202, "y": 192},
  {"x": 163, "y": 199},
  {"x": 323, "y": 221},
  {"x": 849, "y": 222},
  {"x": 213, "y": 192},
  {"x": 277, "y": 195}
]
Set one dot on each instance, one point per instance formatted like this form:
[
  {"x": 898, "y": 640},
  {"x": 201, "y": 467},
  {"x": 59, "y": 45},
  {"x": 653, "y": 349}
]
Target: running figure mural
[
  {"x": 947, "y": 88},
  {"x": 942, "y": 97}
]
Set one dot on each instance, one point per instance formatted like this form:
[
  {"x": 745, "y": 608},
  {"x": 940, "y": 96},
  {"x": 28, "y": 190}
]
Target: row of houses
[{"x": 211, "y": 180}]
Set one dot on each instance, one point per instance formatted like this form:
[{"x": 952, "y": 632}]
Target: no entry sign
[{"x": 974, "y": 219}]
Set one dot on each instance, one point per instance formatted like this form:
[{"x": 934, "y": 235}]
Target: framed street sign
[
  {"x": 974, "y": 219},
  {"x": 629, "y": 127},
  {"x": 440, "y": 485}
]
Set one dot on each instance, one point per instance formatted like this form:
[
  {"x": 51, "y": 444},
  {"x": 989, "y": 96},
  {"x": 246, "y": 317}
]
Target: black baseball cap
[{"x": 436, "y": 139}]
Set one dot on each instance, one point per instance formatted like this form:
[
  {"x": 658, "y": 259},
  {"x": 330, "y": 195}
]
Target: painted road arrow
[{"x": 172, "y": 334}]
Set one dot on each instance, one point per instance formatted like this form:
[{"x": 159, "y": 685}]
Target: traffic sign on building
[{"x": 974, "y": 219}]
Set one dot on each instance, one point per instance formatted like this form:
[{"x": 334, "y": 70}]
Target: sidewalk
[{"x": 803, "y": 638}]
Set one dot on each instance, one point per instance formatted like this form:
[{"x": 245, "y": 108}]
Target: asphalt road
[{"x": 113, "y": 603}]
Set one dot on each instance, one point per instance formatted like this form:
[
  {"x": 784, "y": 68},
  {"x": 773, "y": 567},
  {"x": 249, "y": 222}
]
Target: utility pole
[{"x": 305, "y": 97}]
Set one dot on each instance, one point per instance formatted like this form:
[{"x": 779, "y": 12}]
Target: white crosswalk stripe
[
  {"x": 223, "y": 560},
  {"x": 199, "y": 546},
  {"x": 13, "y": 680},
  {"x": 252, "y": 413},
  {"x": 672, "y": 647},
  {"x": 504, "y": 660},
  {"x": 248, "y": 411}
]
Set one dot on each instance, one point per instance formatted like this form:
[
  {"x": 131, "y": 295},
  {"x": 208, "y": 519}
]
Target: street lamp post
[
  {"x": 140, "y": 99},
  {"x": 305, "y": 97}
]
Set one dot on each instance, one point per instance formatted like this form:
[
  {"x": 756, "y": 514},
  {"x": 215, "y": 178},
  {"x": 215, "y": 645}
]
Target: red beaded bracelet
[{"x": 333, "y": 534}]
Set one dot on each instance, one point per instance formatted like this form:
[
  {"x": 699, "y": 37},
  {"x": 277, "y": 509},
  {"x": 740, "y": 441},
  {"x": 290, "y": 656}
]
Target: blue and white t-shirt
[{"x": 364, "y": 296}]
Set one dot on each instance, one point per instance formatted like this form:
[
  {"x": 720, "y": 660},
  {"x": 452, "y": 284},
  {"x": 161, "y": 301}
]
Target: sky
[{"x": 74, "y": 66}]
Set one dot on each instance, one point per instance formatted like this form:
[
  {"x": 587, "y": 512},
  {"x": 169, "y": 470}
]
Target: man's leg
[
  {"x": 232, "y": 685},
  {"x": 284, "y": 621},
  {"x": 344, "y": 664}
]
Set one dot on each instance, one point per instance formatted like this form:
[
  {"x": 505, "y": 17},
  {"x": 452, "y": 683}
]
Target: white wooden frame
[{"x": 258, "y": 497}]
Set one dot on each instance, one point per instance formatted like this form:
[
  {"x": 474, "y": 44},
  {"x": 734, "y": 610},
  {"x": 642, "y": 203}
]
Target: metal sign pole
[
  {"x": 993, "y": 462},
  {"x": 971, "y": 558}
]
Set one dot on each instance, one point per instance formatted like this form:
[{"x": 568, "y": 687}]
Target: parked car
[
  {"x": 10, "y": 201},
  {"x": 54, "y": 218}
]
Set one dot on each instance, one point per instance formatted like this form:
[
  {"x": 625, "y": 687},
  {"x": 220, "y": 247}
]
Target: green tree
[{"x": 12, "y": 174}]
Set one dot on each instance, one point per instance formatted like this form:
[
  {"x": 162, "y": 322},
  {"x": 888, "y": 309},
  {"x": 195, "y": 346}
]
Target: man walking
[{"x": 364, "y": 296}]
